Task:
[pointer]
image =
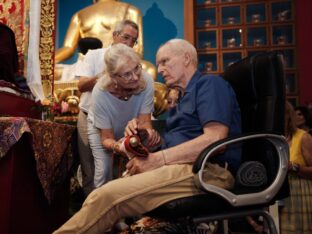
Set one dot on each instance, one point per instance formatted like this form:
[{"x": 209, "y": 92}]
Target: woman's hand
[
  {"x": 294, "y": 167},
  {"x": 132, "y": 127}
]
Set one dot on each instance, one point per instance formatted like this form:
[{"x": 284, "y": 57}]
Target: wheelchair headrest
[{"x": 258, "y": 82}]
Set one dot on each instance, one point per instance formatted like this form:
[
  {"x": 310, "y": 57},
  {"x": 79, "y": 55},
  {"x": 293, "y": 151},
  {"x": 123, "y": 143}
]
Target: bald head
[
  {"x": 176, "y": 62},
  {"x": 180, "y": 47}
]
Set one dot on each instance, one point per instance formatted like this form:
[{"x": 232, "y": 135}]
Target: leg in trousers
[
  {"x": 131, "y": 196},
  {"x": 103, "y": 160},
  {"x": 85, "y": 154}
]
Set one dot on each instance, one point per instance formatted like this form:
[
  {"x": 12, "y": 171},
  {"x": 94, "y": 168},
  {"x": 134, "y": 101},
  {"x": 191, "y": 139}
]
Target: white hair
[{"x": 180, "y": 46}]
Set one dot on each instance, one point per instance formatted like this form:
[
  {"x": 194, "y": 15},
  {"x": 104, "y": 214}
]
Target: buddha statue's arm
[{"x": 70, "y": 41}]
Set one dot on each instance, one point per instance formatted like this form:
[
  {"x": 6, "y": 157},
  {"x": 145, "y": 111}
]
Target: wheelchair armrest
[{"x": 265, "y": 196}]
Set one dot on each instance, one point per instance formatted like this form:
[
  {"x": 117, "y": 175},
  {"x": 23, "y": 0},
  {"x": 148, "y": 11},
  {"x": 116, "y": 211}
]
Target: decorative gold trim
[{"x": 47, "y": 40}]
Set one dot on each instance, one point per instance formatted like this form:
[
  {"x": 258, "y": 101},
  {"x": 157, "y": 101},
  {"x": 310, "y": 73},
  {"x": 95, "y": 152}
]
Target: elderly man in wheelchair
[{"x": 222, "y": 156}]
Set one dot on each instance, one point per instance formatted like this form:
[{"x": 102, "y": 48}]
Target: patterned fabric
[
  {"x": 181, "y": 226},
  {"x": 296, "y": 214},
  {"x": 15, "y": 14},
  {"x": 51, "y": 143},
  {"x": 151, "y": 225},
  {"x": 10, "y": 133},
  {"x": 12, "y": 13}
]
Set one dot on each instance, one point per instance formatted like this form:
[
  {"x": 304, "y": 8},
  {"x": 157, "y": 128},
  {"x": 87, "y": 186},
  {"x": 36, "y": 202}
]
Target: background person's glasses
[
  {"x": 128, "y": 75},
  {"x": 127, "y": 37}
]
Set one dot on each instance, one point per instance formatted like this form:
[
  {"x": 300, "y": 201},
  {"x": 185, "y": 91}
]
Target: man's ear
[
  {"x": 187, "y": 59},
  {"x": 115, "y": 34}
]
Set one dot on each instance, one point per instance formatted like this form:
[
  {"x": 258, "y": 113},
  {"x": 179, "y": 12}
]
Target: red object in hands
[{"x": 134, "y": 146}]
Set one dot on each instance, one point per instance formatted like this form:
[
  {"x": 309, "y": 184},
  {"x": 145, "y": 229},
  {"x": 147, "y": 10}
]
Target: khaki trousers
[{"x": 131, "y": 196}]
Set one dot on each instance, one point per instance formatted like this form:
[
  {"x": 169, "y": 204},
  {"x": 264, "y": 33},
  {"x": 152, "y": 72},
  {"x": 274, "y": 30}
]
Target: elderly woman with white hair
[{"x": 122, "y": 93}]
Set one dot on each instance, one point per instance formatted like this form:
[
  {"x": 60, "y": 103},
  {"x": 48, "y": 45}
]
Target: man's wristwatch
[{"x": 295, "y": 167}]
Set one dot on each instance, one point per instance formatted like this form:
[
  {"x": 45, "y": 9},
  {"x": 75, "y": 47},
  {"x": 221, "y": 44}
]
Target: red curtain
[
  {"x": 304, "y": 36},
  {"x": 12, "y": 13}
]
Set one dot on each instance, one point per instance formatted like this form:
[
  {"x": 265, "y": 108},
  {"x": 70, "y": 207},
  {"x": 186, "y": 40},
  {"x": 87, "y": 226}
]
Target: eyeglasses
[
  {"x": 127, "y": 37},
  {"x": 128, "y": 75}
]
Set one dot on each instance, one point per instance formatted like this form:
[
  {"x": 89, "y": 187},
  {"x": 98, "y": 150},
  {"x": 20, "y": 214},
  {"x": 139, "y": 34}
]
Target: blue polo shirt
[{"x": 207, "y": 98}]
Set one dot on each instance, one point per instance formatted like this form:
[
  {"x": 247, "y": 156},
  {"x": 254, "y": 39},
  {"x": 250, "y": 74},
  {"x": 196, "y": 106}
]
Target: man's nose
[
  {"x": 129, "y": 43},
  {"x": 160, "y": 69},
  {"x": 135, "y": 76}
]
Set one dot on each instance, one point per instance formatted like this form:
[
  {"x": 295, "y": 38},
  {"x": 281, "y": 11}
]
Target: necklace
[
  {"x": 124, "y": 97},
  {"x": 120, "y": 94}
]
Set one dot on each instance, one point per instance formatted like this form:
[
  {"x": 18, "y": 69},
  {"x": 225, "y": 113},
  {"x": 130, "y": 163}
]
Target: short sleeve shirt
[
  {"x": 109, "y": 112},
  {"x": 207, "y": 99},
  {"x": 92, "y": 65}
]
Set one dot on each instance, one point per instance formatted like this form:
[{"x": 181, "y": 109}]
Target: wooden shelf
[{"x": 228, "y": 30}]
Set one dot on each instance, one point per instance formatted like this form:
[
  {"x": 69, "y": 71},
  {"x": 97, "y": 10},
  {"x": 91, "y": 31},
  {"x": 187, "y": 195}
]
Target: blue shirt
[{"x": 206, "y": 99}]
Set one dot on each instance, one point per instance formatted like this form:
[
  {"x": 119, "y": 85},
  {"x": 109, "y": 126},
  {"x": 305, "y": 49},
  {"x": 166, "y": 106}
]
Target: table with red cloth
[{"x": 35, "y": 161}]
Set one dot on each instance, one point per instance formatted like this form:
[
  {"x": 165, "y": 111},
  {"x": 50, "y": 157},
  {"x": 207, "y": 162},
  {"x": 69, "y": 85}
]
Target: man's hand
[
  {"x": 139, "y": 164},
  {"x": 153, "y": 139}
]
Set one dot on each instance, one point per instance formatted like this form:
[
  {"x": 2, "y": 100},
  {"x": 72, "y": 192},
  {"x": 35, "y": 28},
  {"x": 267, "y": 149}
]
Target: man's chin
[{"x": 169, "y": 84}]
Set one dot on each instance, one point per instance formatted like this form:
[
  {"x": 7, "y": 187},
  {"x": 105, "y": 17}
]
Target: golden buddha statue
[{"x": 99, "y": 21}]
